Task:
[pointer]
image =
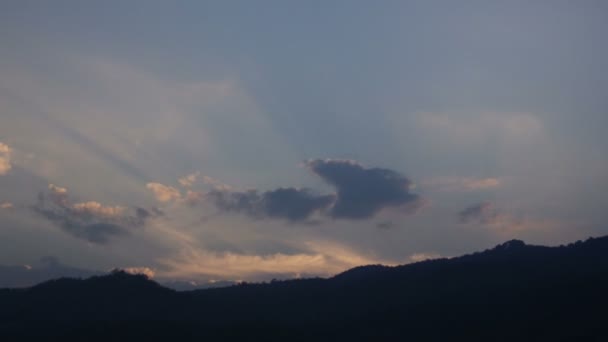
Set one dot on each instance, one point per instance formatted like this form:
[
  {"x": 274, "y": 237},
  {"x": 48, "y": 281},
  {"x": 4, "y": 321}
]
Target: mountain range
[{"x": 512, "y": 292}]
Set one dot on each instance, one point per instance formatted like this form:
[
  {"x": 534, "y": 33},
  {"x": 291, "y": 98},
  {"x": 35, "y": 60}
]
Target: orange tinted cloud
[
  {"x": 320, "y": 258},
  {"x": 189, "y": 180},
  {"x": 463, "y": 183},
  {"x": 97, "y": 209},
  {"x": 5, "y": 159},
  {"x": 148, "y": 272},
  {"x": 164, "y": 193},
  {"x": 6, "y": 205}
]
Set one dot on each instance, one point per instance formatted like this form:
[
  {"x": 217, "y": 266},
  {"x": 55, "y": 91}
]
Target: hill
[{"x": 513, "y": 292}]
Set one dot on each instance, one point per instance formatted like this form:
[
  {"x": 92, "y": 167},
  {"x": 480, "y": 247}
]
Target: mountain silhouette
[{"x": 512, "y": 292}]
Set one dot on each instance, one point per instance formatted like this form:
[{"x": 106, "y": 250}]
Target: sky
[{"x": 239, "y": 140}]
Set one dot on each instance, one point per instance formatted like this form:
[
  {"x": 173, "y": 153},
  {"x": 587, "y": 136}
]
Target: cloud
[
  {"x": 417, "y": 257},
  {"x": 6, "y": 205},
  {"x": 93, "y": 208},
  {"x": 483, "y": 212},
  {"x": 216, "y": 184},
  {"x": 99, "y": 233},
  {"x": 463, "y": 183},
  {"x": 480, "y": 128},
  {"x": 90, "y": 221},
  {"x": 189, "y": 180},
  {"x": 85, "y": 229},
  {"x": 164, "y": 193},
  {"x": 509, "y": 225},
  {"x": 58, "y": 195},
  {"x": 193, "y": 197},
  {"x": 143, "y": 214},
  {"x": 4, "y": 148},
  {"x": 362, "y": 192},
  {"x": 288, "y": 203},
  {"x": 5, "y": 159},
  {"x": 57, "y": 189},
  {"x": 385, "y": 225},
  {"x": 483, "y": 183},
  {"x": 487, "y": 214},
  {"x": 320, "y": 258},
  {"x": 148, "y": 272}
]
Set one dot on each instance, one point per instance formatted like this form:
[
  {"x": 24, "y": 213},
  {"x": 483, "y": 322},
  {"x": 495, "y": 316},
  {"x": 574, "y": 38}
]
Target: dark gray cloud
[
  {"x": 482, "y": 213},
  {"x": 99, "y": 233},
  {"x": 286, "y": 203},
  {"x": 294, "y": 204},
  {"x": 92, "y": 230},
  {"x": 142, "y": 214},
  {"x": 385, "y": 225},
  {"x": 246, "y": 202},
  {"x": 362, "y": 192},
  {"x": 90, "y": 221}
]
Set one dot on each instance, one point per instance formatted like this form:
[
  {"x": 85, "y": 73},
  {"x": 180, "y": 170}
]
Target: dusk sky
[{"x": 251, "y": 140}]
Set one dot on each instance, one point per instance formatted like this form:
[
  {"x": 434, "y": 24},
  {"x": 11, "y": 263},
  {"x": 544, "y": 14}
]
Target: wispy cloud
[
  {"x": 507, "y": 127},
  {"x": 320, "y": 258},
  {"x": 5, "y": 159},
  {"x": 487, "y": 215},
  {"x": 484, "y": 213},
  {"x": 462, "y": 183},
  {"x": 6, "y": 205}
]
